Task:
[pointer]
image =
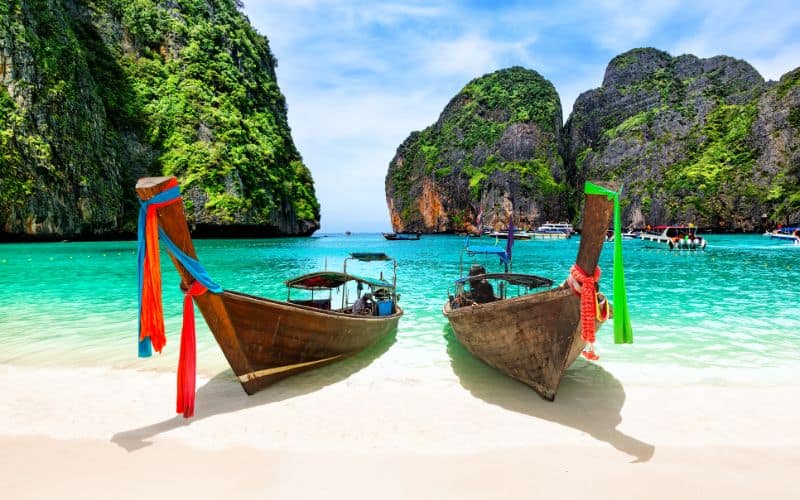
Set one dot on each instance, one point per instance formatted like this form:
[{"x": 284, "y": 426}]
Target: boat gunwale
[
  {"x": 486, "y": 307},
  {"x": 516, "y": 279},
  {"x": 313, "y": 311}
]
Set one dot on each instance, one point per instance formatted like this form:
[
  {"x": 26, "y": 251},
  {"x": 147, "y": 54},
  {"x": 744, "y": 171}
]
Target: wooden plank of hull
[
  {"x": 266, "y": 340},
  {"x": 534, "y": 338},
  {"x": 282, "y": 339}
]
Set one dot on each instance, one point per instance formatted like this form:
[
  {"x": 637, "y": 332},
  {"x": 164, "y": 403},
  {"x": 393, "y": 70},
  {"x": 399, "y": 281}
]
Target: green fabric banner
[{"x": 623, "y": 333}]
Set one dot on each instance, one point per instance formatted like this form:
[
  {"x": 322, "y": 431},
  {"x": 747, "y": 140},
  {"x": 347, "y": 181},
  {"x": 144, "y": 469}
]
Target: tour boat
[
  {"x": 553, "y": 231},
  {"x": 788, "y": 234},
  {"x": 674, "y": 237}
]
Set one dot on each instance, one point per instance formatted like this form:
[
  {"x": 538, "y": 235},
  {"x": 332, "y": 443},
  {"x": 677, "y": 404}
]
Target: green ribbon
[{"x": 623, "y": 333}]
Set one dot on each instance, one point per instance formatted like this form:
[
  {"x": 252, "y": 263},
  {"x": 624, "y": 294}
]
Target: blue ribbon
[{"x": 192, "y": 265}]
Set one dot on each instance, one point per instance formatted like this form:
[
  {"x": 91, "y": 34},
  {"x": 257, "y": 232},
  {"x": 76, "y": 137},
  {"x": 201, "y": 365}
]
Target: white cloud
[
  {"x": 754, "y": 31},
  {"x": 784, "y": 60},
  {"x": 621, "y": 25},
  {"x": 465, "y": 56}
]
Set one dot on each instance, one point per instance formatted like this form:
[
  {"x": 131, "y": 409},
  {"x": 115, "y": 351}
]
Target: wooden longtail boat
[
  {"x": 402, "y": 236},
  {"x": 267, "y": 340},
  {"x": 532, "y": 338}
]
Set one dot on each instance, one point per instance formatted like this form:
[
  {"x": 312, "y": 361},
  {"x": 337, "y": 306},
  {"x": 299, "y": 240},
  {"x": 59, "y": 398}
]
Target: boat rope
[
  {"x": 586, "y": 287},
  {"x": 623, "y": 333},
  {"x": 151, "y": 315}
]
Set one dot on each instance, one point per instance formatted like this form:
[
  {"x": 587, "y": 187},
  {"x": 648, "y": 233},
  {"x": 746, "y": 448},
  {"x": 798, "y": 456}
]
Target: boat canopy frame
[
  {"x": 474, "y": 250},
  {"x": 327, "y": 280},
  {"x": 330, "y": 280}
]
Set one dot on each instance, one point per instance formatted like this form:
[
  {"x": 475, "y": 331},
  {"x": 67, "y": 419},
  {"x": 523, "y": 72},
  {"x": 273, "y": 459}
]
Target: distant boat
[
  {"x": 347, "y": 233},
  {"x": 535, "y": 336},
  {"x": 790, "y": 234},
  {"x": 628, "y": 235},
  {"x": 674, "y": 237},
  {"x": 266, "y": 340},
  {"x": 518, "y": 235},
  {"x": 553, "y": 231},
  {"x": 402, "y": 236},
  {"x": 631, "y": 235}
]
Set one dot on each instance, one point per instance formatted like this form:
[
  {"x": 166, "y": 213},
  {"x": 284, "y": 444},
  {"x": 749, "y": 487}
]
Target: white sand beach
[{"x": 352, "y": 432}]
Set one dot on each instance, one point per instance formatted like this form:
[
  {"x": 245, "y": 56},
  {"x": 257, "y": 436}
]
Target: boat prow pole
[
  {"x": 172, "y": 219},
  {"x": 597, "y": 213}
]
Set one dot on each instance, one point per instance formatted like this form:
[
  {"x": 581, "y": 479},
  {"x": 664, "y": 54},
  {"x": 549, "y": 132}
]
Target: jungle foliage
[{"x": 190, "y": 80}]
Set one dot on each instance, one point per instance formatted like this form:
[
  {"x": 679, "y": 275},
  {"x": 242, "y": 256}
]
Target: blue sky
[{"x": 359, "y": 76}]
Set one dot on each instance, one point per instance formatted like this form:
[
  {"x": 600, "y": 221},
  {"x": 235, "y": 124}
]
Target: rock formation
[
  {"x": 95, "y": 94},
  {"x": 695, "y": 140},
  {"x": 496, "y": 143},
  {"x": 681, "y": 134}
]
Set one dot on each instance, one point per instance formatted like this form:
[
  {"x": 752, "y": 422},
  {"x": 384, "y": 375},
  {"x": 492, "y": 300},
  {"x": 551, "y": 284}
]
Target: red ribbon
[{"x": 187, "y": 363}]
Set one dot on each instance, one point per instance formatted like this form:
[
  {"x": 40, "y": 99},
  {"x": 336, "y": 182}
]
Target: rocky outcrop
[
  {"x": 94, "y": 95},
  {"x": 692, "y": 140},
  {"x": 695, "y": 140},
  {"x": 497, "y": 141},
  {"x": 775, "y": 135}
]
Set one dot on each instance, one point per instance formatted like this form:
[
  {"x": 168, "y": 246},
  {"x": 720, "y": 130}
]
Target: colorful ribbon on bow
[
  {"x": 623, "y": 333},
  {"x": 151, "y": 316}
]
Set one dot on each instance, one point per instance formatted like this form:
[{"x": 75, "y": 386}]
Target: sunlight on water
[{"x": 731, "y": 306}]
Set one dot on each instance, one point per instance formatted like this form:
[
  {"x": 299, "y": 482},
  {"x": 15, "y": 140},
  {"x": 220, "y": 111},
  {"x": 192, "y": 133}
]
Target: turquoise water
[{"x": 734, "y": 305}]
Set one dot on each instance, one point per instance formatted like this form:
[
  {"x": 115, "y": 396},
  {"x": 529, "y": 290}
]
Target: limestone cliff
[
  {"x": 696, "y": 140},
  {"x": 693, "y": 140},
  {"x": 496, "y": 141},
  {"x": 95, "y": 93}
]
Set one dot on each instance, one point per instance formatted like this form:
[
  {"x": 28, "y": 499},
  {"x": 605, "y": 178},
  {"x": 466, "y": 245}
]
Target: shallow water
[{"x": 731, "y": 306}]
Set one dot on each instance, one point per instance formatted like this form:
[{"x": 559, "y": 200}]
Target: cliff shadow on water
[
  {"x": 586, "y": 389},
  {"x": 223, "y": 394}
]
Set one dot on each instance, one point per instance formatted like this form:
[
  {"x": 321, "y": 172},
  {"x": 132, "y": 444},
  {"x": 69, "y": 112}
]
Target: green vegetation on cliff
[
  {"x": 785, "y": 188},
  {"x": 524, "y": 94},
  {"x": 498, "y": 138},
  {"x": 207, "y": 87},
  {"x": 719, "y": 166},
  {"x": 701, "y": 140},
  {"x": 133, "y": 87},
  {"x": 466, "y": 140},
  {"x": 53, "y": 131}
]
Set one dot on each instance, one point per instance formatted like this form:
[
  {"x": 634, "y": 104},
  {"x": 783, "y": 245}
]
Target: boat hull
[
  {"x": 517, "y": 236},
  {"x": 783, "y": 237},
  {"x": 550, "y": 236},
  {"x": 401, "y": 236},
  {"x": 280, "y": 339},
  {"x": 533, "y": 338}
]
